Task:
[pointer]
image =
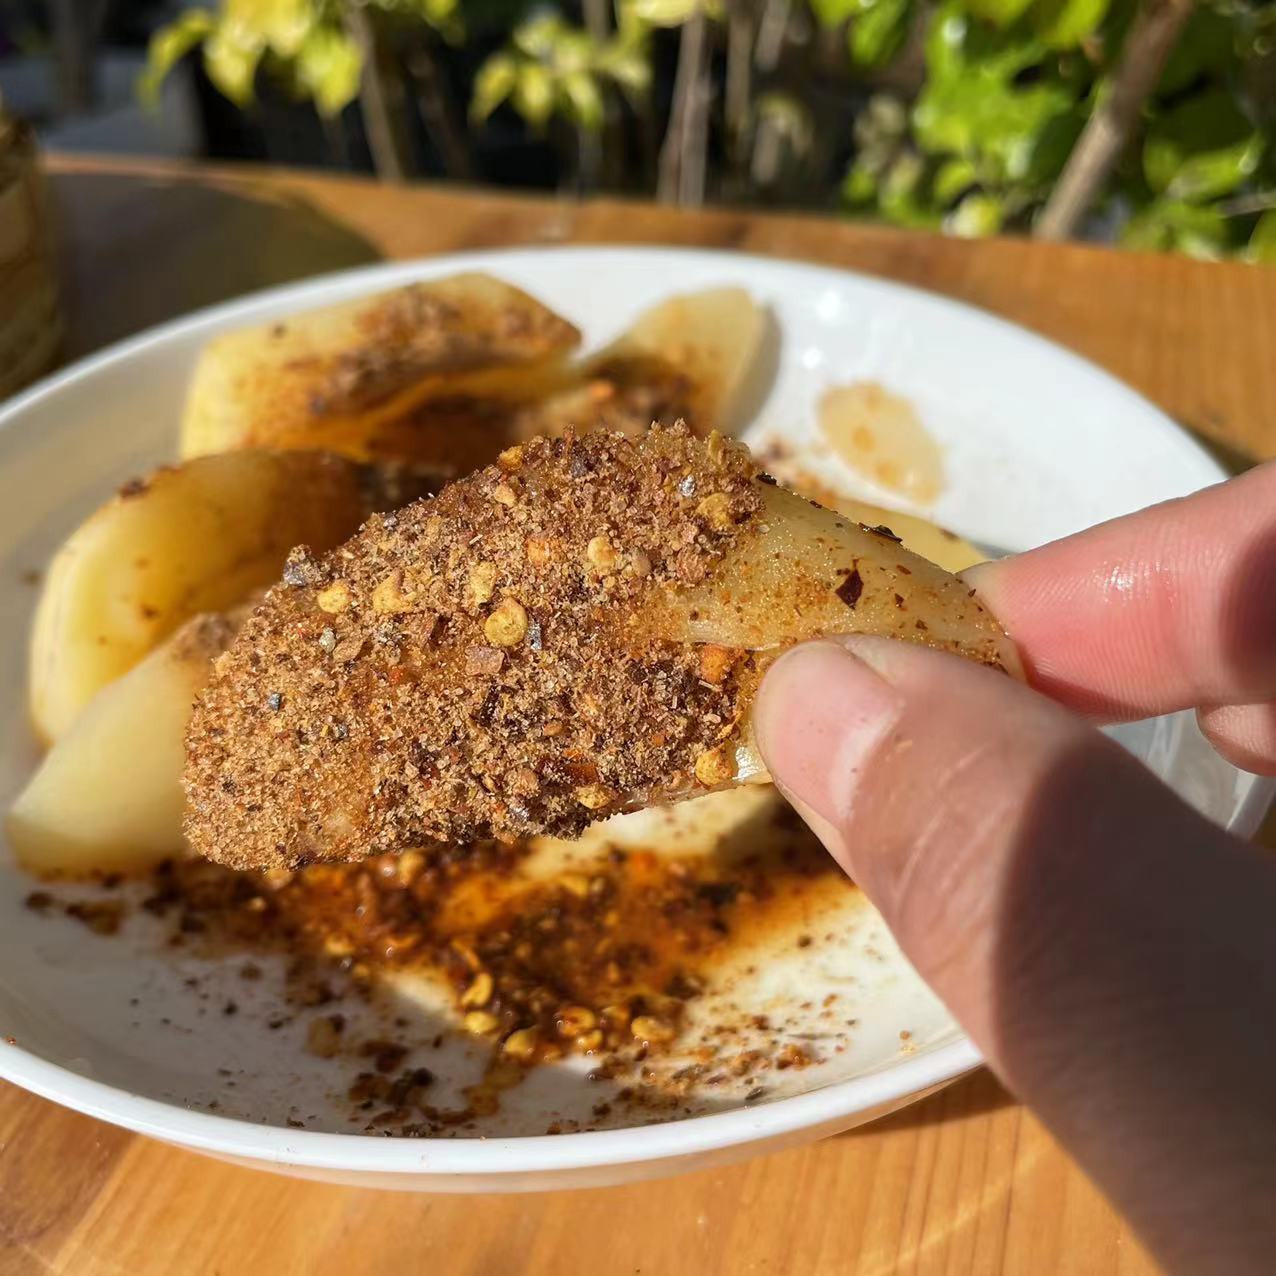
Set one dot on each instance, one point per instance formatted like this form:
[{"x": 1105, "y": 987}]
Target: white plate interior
[{"x": 1037, "y": 443}]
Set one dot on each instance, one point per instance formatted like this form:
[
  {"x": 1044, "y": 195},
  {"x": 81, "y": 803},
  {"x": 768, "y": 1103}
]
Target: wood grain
[{"x": 965, "y": 1184}]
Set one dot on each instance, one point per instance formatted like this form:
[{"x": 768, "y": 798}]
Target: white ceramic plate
[{"x": 1037, "y": 444}]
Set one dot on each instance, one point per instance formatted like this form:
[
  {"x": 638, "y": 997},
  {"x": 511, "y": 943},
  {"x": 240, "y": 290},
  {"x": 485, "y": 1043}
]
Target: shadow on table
[
  {"x": 976, "y": 1095},
  {"x": 176, "y": 246}
]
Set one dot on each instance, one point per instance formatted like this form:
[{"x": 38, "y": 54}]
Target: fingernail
[{"x": 821, "y": 714}]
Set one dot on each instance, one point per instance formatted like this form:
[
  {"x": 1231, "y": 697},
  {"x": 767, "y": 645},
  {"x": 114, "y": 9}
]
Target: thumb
[{"x": 1073, "y": 913}]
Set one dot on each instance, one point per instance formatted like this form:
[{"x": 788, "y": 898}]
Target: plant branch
[
  {"x": 76, "y": 29},
  {"x": 1243, "y": 205},
  {"x": 439, "y": 112},
  {"x": 597, "y": 19},
  {"x": 739, "y": 80},
  {"x": 771, "y": 28},
  {"x": 1115, "y": 119},
  {"x": 381, "y": 99},
  {"x": 682, "y": 155}
]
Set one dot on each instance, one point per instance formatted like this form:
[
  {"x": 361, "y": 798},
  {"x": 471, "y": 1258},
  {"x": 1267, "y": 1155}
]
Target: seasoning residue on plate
[
  {"x": 881, "y": 437},
  {"x": 620, "y": 961}
]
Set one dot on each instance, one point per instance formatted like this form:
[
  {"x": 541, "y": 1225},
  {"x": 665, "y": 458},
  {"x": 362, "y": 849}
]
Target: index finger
[{"x": 1166, "y": 609}]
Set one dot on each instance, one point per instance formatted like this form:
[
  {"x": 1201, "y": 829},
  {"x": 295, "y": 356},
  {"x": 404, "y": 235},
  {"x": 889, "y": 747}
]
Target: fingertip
[{"x": 820, "y": 714}]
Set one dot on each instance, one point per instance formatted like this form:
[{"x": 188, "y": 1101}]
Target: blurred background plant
[{"x": 1147, "y": 122}]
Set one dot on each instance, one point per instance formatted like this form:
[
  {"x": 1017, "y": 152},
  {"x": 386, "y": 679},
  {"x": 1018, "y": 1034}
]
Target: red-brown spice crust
[{"x": 476, "y": 665}]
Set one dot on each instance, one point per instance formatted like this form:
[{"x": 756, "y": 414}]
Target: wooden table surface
[{"x": 967, "y": 1182}]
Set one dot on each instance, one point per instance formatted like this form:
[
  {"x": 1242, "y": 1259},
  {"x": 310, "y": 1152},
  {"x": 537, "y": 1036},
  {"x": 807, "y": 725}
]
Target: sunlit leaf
[
  {"x": 537, "y": 36},
  {"x": 1262, "y": 243},
  {"x": 1000, "y": 13},
  {"x": 1146, "y": 232},
  {"x": 899, "y": 196},
  {"x": 1203, "y": 148},
  {"x": 879, "y": 32},
  {"x": 533, "y": 94},
  {"x": 494, "y": 82},
  {"x": 231, "y": 58},
  {"x": 952, "y": 177},
  {"x": 573, "y": 50},
  {"x": 977, "y": 215},
  {"x": 664, "y": 13},
  {"x": 627, "y": 66},
  {"x": 584, "y": 99},
  {"x": 1063, "y": 24},
  {"x": 1166, "y": 224},
  {"x": 438, "y": 13},
  {"x": 859, "y": 186},
  {"x": 982, "y": 118},
  {"x": 832, "y": 13},
  {"x": 282, "y": 25},
  {"x": 168, "y": 46},
  {"x": 790, "y": 118},
  {"x": 329, "y": 65}
]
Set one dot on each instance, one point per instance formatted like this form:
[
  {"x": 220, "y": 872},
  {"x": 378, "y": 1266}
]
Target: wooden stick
[
  {"x": 1115, "y": 119},
  {"x": 381, "y": 100},
  {"x": 736, "y": 103},
  {"x": 677, "y": 181},
  {"x": 439, "y": 111}
]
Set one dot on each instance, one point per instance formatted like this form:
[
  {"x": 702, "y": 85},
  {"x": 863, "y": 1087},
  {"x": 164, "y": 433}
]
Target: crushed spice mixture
[
  {"x": 476, "y": 666},
  {"x": 601, "y": 961}
]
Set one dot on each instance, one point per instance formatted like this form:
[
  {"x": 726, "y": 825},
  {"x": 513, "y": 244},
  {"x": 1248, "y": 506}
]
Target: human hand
[{"x": 1111, "y": 951}]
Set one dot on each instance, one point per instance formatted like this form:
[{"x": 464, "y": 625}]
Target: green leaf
[
  {"x": 1262, "y": 243},
  {"x": 1175, "y": 224},
  {"x": 664, "y": 13},
  {"x": 985, "y": 120},
  {"x": 329, "y": 65},
  {"x": 282, "y": 25},
  {"x": 1146, "y": 232},
  {"x": 494, "y": 82},
  {"x": 956, "y": 47},
  {"x": 533, "y": 94},
  {"x": 976, "y": 216},
  {"x": 879, "y": 31},
  {"x": 537, "y": 36},
  {"x": 1201, "y": 149},
  {"x": 627, "y": 66},
  {"x": 440, "y": 14},
  {"x": 952, "y": 177},
  {"x": 1207, "y": 47},
  {"x": 1063, "y": 24},
  {"x": 574, "y": 50},
  {"x": 1001, "y": 13},
  {"x": 168, "y": 46},
  {"x": 859, "y": 186},
  {"x": 231, "y": 62},
  {"x": 1052, "y": 146},
  {"x": 832, "y": 13},
  {"x": 585, "y": 102}
]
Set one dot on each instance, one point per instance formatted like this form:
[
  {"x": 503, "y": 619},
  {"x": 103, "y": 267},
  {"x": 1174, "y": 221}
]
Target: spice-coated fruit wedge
[
  {"x": 575, "y": 631},
  {"x": 188, "y": 538},
  {"x": 333, "y": 378}
]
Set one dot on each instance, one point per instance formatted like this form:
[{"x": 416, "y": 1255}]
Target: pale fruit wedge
[
  {"x": 577, "y": 631},
  {"x": 108, "y": 795},
  {"x": 695, "y": 356},
  {"x": 330, "y": 378},
  {"x": 186, "y": 539},
  {"x": 710, "y": 340}
]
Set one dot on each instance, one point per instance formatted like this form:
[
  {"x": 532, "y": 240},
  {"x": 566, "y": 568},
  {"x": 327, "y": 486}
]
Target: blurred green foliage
[
  {"x": 1008, "y": 86},
  {"x": 552, "y": 67},
  {"x": 968, "y": 109}
]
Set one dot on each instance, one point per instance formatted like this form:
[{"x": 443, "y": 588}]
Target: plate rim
[{"x": 503, "y": 1157}]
